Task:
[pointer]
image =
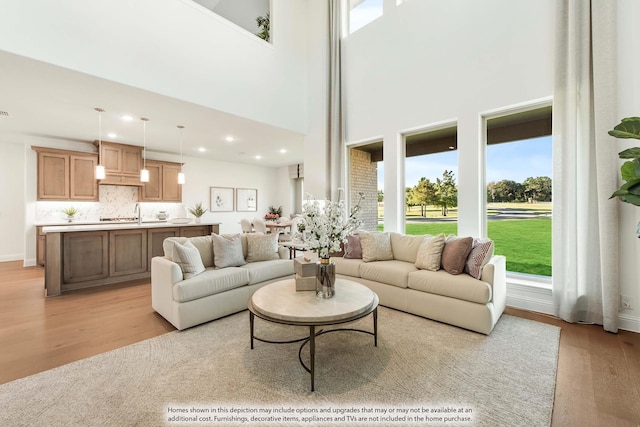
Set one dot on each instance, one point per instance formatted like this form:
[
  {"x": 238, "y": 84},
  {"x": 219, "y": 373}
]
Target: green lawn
[{"x": 526, "y": 243}]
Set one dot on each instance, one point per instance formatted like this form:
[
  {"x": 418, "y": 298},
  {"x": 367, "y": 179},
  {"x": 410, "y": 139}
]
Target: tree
[
  {"x": 538, "y": 189},
  {"x": 423, "y": 194},
  {"x": 380, "y": 195},
  {"x": 446, "y": 192},
  {"x": 505, "y": 191}
]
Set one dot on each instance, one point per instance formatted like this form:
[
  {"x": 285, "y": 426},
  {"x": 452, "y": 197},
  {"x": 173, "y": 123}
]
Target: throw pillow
[
  {"x": 481, "y": 253},
  {"x": 455, "y": 253},
  {"x": 227, "y": 250},
  {"x": 405, "y": 247},
  {"x": 353, "y": 248},
  {"x": 376, "y": 246},
  {"x": 262, "y": 247},
  {"x": 188, "y": 258},
  {"x": 430, "y": 253},
  {"x": 168, "y": 244}
]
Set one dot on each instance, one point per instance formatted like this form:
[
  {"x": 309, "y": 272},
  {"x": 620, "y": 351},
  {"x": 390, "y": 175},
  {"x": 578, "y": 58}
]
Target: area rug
[{"x": 421, "y": 373}]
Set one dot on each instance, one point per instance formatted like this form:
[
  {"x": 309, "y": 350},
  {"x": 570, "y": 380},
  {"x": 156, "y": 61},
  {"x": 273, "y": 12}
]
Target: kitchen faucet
[{"x": 137, "y": 210}]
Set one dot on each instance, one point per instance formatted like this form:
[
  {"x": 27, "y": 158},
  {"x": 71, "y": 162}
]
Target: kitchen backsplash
[{"x": 116, "y": 201}]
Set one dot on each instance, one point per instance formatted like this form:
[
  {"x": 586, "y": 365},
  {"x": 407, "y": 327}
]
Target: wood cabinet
[
  {"x": 81, "y": 259},
  {"x": 66, "y": 175},
  {"x": 122, "y": 163},
  {"x": 155, "y": 237},
  {"x": 127, "y": 252},
  {"x": 121, "y": 159},
  {"x": 163, "y": 183},
  {"x": 83, "y": 184},
  {"x": 85, "y": 256},
  {"x": 41, "y": 252},
  {"x": 194, "y": 231}
]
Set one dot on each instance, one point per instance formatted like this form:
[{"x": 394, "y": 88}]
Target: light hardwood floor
[{"x": 598, "y": 381}]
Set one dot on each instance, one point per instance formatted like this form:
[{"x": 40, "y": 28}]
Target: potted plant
[
  {"x": 264, "y": 25},
  {"x": 629, "y": 192},
  {"x": 197, "y": 210},
  {"x": 70, "y": 212},
  {"x": 274, "y": 214}
]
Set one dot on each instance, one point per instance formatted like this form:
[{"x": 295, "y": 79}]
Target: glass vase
[{"x": 325, "y": 278}]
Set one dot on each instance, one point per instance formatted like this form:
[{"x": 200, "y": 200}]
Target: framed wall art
[
  {"x": 246, "y": 199},
  {"x": 221, "y": 199}
]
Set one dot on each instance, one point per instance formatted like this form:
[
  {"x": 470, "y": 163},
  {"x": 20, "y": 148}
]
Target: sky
[{"x": 514, "y": 161}]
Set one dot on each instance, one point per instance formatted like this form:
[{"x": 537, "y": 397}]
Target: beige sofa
[
  {"x": 457, "y": 299},
  {"x": 187, "y": 301}
]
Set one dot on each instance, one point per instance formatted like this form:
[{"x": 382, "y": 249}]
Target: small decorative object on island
[
  {"x": 70, "y": 213},
  {"x": 273, "y": 214},
  {"x": 197, "y": 211},
  {"x": 629, "y": 192},
  {"x": 324, "y": 230}
]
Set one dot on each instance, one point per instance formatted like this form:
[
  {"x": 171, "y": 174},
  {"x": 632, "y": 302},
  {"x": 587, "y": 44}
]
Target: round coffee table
[{"x": 280, "y": 303}]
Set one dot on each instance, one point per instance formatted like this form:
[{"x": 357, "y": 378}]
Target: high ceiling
[{"x": 43, "y": 100}]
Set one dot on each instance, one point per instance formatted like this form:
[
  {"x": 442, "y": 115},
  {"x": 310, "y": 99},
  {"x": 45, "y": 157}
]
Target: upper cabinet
[
  {"x": 66, "y": 175},
  {"x": 163, "y": 183},
  {"x": 122, "y": 163},
  {"x": 70, "y": 175}
]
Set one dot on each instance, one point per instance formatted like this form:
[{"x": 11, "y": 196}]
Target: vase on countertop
[
  {"x": 198, "y": 220},
  {"x": 325, "y": 278}
]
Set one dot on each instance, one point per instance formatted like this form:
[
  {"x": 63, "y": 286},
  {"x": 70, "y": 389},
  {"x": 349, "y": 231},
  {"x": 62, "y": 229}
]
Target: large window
[
  {"x": 431, "y": 193},
  {"x": 519, "y": 178}
]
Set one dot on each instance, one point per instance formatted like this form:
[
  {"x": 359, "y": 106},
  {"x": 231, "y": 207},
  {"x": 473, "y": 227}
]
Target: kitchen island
[{"x": 85, "y": 255}]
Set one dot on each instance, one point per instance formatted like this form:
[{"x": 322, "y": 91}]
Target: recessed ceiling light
[
  {"x": 451, "y": 147},
  {"x": 283, "y": 151},
  {"x": 202, "y": 149},
  {"x": 112, "y": 135},
  {"x": 258, "y": 157},
  {"x": 127, "y": 118},
  {"x": 229, "y": 138}
]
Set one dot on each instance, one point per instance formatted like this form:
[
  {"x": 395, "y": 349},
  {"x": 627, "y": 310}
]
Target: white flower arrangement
[{"x": 325, "y": 227}]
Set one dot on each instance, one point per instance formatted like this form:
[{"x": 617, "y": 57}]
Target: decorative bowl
[{"x": 180, "y": 220}]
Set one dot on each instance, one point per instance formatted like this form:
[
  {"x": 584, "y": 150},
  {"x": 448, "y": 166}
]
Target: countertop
[{"x": 117, "y": 225}]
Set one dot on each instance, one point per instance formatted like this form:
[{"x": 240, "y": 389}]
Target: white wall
[
  {"x": 629, "y": 106},
  {"x": 12, "y": 220},
  {"x": 172, "y": 47},
  {"x": 428, "y": 61}
]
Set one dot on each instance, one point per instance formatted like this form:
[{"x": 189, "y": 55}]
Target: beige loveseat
[
  {"x": 186, "y": 299},
  {"x": 457, "y": 299}
]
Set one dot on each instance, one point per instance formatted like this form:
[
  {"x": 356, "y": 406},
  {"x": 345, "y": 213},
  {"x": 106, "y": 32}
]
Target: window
[
  {"x": 519, "y": 178},
  {"x": 362, "y": 12},
  {"x": 431, "y": 168}
]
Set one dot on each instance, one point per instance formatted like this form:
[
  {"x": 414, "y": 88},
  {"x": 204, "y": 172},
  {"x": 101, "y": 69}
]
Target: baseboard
[
  {"x": 533, "y": 298},
  {"x": 628, "y": 322},
  {"x": 14, "y": 257},
  {"x": 29, "y": 262},
  {"x": 540, "y": 299}
]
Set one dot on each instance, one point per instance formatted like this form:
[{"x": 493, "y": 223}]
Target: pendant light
[
  {"x": 100, "y": 171},
  {"x": 144, "y": 173},
  {"x": 180, "y": 174}
]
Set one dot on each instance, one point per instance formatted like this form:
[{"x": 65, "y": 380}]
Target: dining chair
[
  {"x": 245, "y": 224},
  {"x": 293, "y": 229},
  {"x": 259, "y": 226}
]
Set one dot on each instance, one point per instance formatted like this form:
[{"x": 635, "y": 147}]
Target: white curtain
[
  {"x": 585, "y": 221},
  {"x": 334, "y": 114}
]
